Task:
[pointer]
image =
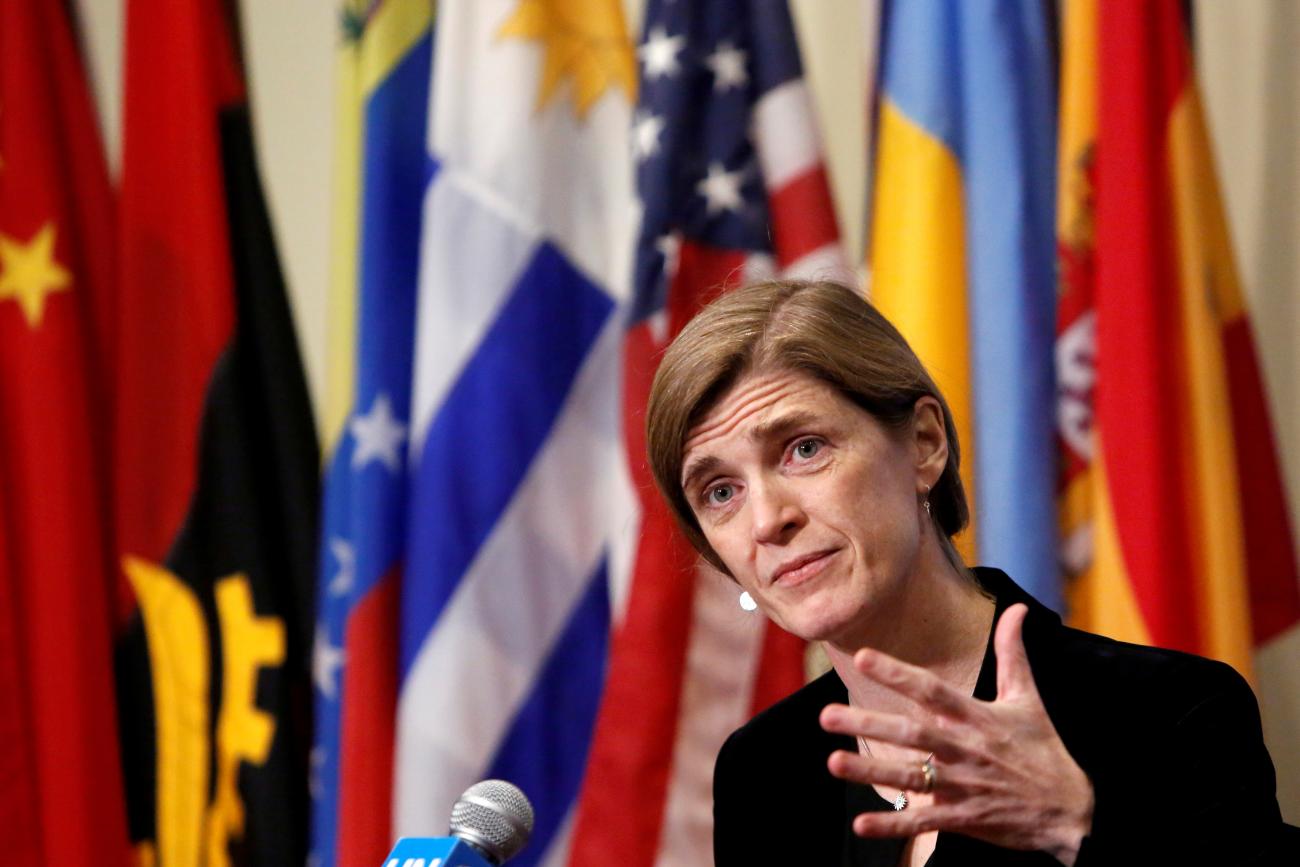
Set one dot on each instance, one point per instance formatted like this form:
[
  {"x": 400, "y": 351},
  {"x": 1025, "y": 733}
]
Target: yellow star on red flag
[{"x": 29, "y": 272}]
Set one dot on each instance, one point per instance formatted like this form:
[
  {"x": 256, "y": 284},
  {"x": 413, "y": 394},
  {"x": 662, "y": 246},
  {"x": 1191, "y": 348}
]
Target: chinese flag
[{"x": 60, "y": 772}]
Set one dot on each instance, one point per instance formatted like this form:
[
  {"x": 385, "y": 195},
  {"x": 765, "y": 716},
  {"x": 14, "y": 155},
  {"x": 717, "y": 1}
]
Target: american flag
[
  {"x": 732, "y": 184},
  {"x": 728, "y": 159}
]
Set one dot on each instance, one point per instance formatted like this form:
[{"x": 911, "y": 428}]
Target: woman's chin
[{"x": 829, "y": 623}]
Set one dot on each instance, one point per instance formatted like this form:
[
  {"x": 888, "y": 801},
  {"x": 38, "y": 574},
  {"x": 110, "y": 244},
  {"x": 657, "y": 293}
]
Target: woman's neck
[{"x": 939, "y": 621}]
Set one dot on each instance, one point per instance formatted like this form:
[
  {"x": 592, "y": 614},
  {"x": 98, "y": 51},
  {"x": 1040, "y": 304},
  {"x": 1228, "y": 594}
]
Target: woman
[{"x": 808, "y": 455}]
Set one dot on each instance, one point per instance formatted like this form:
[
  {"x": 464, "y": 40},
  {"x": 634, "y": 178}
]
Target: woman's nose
[{"x": 777, "y": 513}]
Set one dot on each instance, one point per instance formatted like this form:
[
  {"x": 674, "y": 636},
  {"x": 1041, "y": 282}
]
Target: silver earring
[{"x": 747, "y": 602}]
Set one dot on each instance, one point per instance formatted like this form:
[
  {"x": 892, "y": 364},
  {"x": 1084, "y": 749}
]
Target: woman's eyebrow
[
  {"x": 782, "y": 426},
  {"x": 777, "y": 428},
  {"x": 698, "y": 467}
]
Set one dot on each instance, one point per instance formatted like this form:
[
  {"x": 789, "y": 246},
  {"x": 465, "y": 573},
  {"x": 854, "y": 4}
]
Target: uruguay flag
[{"x": 517, "y": 485}]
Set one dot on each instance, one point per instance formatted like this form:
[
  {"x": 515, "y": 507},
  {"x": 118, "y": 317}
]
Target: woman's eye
[
  {"x": 719, "y": 495},
  {"x": 805, "y": 449}
]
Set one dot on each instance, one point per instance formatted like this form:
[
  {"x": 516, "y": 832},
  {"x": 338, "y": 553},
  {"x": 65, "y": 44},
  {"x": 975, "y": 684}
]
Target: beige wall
[
  {"x": 289, "y": 54},
  {"x": 1250, "y": 72},
  {"x": 1250, "y": 77}
]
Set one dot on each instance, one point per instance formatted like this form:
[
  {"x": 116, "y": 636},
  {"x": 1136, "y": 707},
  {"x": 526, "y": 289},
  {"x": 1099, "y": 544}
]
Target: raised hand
[{"x": 999, "y": 771}]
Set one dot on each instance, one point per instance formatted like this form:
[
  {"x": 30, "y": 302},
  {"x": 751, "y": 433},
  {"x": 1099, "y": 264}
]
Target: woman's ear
[{"x": 930, "y": 439}]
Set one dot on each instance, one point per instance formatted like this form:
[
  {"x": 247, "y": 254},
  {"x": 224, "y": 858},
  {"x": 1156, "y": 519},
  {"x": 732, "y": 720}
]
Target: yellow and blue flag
[{"x": 962, "y": 251}]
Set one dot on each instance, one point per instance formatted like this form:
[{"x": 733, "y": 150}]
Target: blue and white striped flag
[{"x": 517, "y": 480}]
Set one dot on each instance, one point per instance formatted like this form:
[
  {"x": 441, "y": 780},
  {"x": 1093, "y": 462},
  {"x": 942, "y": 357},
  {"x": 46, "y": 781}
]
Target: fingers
[
  {"x": 923, "y": 687},
  {"x": 1014, "y": 675},
  {"x": 905, "y": 823},
  {"x": 845, "y": 719},
  {"x": 866, "y": 770}
]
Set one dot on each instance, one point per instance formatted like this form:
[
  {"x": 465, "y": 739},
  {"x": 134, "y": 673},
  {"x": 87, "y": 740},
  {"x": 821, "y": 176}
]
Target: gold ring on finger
[{"x": 929, "y": 774}]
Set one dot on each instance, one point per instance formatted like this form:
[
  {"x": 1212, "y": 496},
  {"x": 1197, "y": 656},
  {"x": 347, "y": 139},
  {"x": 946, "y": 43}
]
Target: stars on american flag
[
  {"x": 728, "y": 66},
  {"x": 670, "y": 247},
  {"x": 659, "y": 54},
  {"x": 721, "y": 189},
  {"x": 696, "y": 166},
  {"x": 646, "y": 131}
]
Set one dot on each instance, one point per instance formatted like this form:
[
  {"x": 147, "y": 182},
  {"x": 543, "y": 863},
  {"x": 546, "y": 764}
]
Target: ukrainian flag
[{"x": 962, "y": 252}]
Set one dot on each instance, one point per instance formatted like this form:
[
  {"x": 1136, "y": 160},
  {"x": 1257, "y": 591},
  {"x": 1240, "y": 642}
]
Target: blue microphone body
[{"x": 434, "y": 852}]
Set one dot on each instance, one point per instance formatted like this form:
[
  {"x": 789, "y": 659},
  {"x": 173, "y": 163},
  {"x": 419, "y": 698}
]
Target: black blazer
[{"x": 1171, "y": 742}]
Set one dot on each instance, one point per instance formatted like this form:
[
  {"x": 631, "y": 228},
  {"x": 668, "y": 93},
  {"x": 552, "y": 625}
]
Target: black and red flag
[
  {"x": 60, "y": 772},
  {"x": 215, "y": 465}
]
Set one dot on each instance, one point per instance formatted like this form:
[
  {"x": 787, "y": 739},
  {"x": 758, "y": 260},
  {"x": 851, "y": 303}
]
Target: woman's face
[{"x": 811, "y": 502}]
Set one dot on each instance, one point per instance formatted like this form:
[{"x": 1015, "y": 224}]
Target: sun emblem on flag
[{"x": 586, "y": 44}]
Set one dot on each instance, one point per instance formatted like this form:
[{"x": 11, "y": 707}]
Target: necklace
[{"x": 900, "y": 800}]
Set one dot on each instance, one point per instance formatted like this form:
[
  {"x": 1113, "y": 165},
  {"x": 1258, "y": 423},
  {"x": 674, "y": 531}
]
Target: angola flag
[
  {"x": 215, "y": 465},
  {"x": 60, "y": 773},
  {"x": 1174, "y": 525}
]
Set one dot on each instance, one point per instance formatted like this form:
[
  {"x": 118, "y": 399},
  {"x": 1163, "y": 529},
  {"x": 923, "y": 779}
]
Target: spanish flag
[{"x": 1174, "y": 524}]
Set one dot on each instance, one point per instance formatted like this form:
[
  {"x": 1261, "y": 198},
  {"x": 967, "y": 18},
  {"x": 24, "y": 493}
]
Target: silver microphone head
[{"x": 495, "y": 817}]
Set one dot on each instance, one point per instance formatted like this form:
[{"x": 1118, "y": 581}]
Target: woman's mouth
[{"x": 799, "y": 569}]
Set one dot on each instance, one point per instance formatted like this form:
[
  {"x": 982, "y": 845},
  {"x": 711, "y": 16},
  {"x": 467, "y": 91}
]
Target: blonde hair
[{"x": 820, "y": 328}]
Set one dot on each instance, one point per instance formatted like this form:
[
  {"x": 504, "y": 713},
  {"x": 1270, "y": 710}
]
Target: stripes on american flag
[{"x": 732, "y": 187}]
